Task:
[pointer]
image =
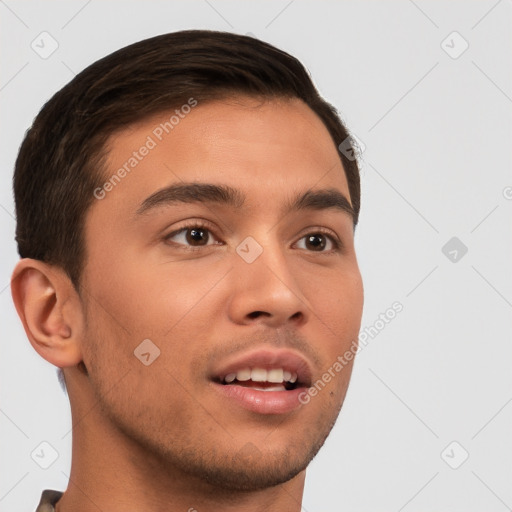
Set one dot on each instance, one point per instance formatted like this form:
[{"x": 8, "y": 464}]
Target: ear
[{"x": 50, "y": 310}]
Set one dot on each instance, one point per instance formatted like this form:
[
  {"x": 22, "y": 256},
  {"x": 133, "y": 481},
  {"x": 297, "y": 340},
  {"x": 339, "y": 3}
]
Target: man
[{"x": 186, "y": 227}]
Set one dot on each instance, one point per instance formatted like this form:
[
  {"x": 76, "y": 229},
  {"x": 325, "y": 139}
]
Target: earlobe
[{"x": 50, "y": 310}]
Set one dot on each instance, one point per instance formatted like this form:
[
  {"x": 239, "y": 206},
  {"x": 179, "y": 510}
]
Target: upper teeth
[{"x": 276, "y": 375}]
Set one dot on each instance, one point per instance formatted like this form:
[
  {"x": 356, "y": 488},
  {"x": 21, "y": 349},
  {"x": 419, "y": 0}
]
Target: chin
[
  {"x": 250, "y": 472},
  {"x": 252, "y": 468}
]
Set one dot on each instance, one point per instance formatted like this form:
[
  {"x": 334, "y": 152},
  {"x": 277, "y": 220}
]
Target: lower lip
[{"x": 263, "y": 402}]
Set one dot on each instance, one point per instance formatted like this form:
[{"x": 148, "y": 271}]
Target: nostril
[{"x": 256, "y": 314}]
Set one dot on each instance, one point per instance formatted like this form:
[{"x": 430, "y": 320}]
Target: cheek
[
  {"x": 338, "y": 302},
  {"x": 148, "y": 300},
  {"x": 131, "y": 390},
  {"x": 129, "y": 304}
]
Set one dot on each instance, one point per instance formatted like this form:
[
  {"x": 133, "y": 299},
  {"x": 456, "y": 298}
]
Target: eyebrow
[{"x": 316, "y": 199}]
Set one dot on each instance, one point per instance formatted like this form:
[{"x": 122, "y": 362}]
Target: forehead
[{"x": 267, "y": 149}]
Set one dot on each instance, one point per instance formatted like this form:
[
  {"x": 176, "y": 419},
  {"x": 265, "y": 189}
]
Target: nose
[{"x": 266, "y": 292}]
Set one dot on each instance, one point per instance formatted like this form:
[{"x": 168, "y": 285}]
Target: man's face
[{"x": 184, "y": 275}]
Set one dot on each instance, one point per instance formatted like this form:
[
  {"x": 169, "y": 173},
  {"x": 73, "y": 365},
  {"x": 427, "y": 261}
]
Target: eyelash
[{"x": 202, "y": 225}]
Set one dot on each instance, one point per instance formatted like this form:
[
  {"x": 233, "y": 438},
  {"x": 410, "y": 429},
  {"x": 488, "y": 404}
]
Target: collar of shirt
[{"x": 49, "y": 498}]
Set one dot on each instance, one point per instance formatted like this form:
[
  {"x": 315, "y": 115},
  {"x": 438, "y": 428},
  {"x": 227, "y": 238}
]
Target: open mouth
[{"x": 262, "y": 379}]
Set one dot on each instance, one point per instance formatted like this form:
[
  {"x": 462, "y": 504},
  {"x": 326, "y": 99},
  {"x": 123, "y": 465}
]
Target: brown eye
[
  {"x": 191, "y": 236},
  {"x": 197, "y": 236},
  {"x": 318, "y": 242}
]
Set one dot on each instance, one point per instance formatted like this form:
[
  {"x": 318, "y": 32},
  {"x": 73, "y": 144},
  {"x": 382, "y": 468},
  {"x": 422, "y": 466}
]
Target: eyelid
[{"x": 198, "y": 223}]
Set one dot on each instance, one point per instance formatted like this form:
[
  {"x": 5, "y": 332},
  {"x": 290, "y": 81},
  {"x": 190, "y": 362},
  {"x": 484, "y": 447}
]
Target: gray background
[{"x": 436, "y": 124}]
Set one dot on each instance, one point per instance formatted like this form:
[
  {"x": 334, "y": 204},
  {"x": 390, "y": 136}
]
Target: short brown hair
[{"x": 60, "y": 160}]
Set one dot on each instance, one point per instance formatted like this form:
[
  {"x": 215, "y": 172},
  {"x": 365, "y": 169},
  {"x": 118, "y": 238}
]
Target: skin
[{"x": 159, "y": 437}]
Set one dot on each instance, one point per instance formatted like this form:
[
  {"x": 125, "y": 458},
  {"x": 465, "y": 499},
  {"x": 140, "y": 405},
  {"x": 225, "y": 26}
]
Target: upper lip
[{"x": 268, "y": 358}]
